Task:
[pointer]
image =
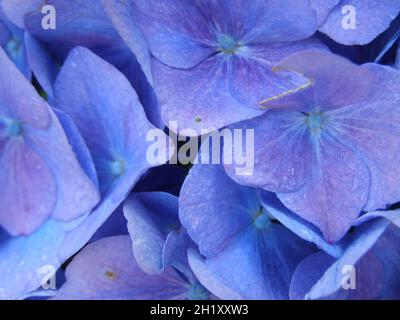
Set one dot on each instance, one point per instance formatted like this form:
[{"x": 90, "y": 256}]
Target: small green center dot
[
  {"x": 261, "y": 219},
  {"x": 14, "y": 128},
  {"x": 197, "y": 119},
  {"x": 227, "y": 44},
  {"x": 118, "y": 167}
]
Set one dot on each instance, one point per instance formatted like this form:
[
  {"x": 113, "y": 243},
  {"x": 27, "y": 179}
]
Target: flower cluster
[{"x": 306, "y": 206}]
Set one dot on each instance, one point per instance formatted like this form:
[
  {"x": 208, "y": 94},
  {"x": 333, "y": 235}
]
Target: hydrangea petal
[
  {"x": 41, "y": 64},
  {"x": 282, "y": 152},
  {"x": 337, "y": 174},
  {"x": 111, "y": 121},
  {"x": 323, "y": 8},
  {"x": 91, "y": 27},
  {"x": 372, "y": 18},
  {"x": 114, "y": 138},
  {"x": 391, "y": 215},
  {"x": 373, "y": 129},
  {"x": 205, "y": 207},
  {"x": 177, "y": 33},
  {"x": 151, "y": 216},
  {"x": 252, "y": 78},
  {"x": 358, "y": 245},
  {"x": 106, "y": 269},
  {"x": 121, "y": 14},
  {"x": 368, "y": 274},
  {"x": 16, "y": 9},
  {"x": 260, "y": 265},
  {"x": 210, "y": 104},
  {"x": 20, "y": 102},
  {"x": 297, "y": 225},
  {"x": 25, "y": 261},
  {"x": 207, "y": 278},
  {"x": 28, "y": 189},
  {"x": 345, "y": 83}
]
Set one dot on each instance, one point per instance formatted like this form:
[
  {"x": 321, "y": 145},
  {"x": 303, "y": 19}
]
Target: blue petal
[
  {"x": 297, "y": 225},
  {"x": 151, "y": 217}
]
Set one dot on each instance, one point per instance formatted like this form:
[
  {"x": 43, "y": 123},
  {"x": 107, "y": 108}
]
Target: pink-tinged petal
[
  {"x": 373, "y": 130},
  {"x": 201, "y": 99},
  {"x": 106, "y": 269},
  {"x": 372, "y": 17},
  {"x": 335, "y": 193},
  {"x": 20, "y": 102},
  {"x": 28, "y": 188},
  {"x": 334, "y": 82},
  {"x": 282, "y": 152},
  {"x": 77, "y": 194}
]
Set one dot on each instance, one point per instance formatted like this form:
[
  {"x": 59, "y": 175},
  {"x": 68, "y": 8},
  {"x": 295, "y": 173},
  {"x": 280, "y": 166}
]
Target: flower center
[
  {"x": 12, "y": 128},
  {"x": 117, "y": 167},
  {"x": 198, "y": 292},
  {"x": 315, "y": 121},
  {"x": 261, "y": 220},
  {"x": 13, "y": 48},
  {"x": 227, "y": 44}
]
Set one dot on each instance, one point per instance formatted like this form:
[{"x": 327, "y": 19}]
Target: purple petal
[
  {"x": 282, "y": 152},
  {"x": 337, "y": 174},
  {"x": 368, "y": 276},
  {"x": 323, "y": 8},
  {"x": 372, "y": 18},
  {"x": 21, "y": 102},
  {"x": 359, "y": 244},
  {"x": 343, "y": 84},
  {"x": 15, "y": 10},
  {"x": 372, "y": 129},
  {"x": 177, "y": 32},
  {"x": 28, "y": 188},
  {"x": 300, "y": 227},
  {"x": 106, "y": 269},
  {"x": 210, "y": 104},
  {"x": 253, "y": 77}
]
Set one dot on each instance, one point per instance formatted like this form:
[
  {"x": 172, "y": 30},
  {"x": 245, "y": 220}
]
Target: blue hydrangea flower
[
  {"x": 56, "y": 241},
  {"x": 217, "y": 56},
  {"x": 330, "y": 150},
  {"x": 243, "y": 247}
]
